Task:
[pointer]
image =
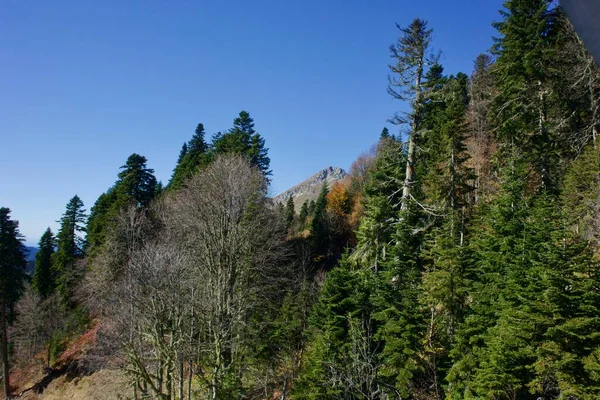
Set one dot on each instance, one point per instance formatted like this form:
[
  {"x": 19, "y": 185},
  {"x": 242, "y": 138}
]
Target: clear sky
[{"x": 83, "y": 84}]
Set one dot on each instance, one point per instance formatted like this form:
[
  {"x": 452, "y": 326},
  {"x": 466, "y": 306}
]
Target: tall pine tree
[
  {"x": 12, "y": 277},
  {"x": 243, "y": 139},
  {"x": 43, "y": 280},
  {"x": 193, "y": 156},
  {"x": 69, "y": 249}
]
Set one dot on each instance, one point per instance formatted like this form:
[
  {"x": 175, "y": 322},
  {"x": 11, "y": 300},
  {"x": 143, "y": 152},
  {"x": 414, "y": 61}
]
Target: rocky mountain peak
[{"x": 310, "y": 188}]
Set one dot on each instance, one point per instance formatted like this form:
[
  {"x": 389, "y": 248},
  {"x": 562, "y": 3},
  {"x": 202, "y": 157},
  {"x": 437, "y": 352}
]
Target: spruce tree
[
  {"x": 481, "y": 143},
  {"x": 289, "y": 334},
  {"x": 136, "y": 186},
  {"x": 12, "y": 278},
  {"x": 182, "y": 153},
  {"x": 385, "y": 134},
  {"x": 396, "y": 300},
  {"x": 69, "y": 249},
  {"x": 311, "y": 207},
  {"x": 136, "y": 182},
  {"x": 290, "y": 212},
  {"x": 580, "y": 193},
  {"x": 101, "y": 217},
  {"x": 342, "y": 359},
  {"x": 303, "y": 215},
  {"x": 319, "y": 237},
  {"x": 43, "y": 281},
  {"x": 383, "y": 192},
  {"x": 243, "y": 139},
  {"x": 411, "y": 60},
  {"x": 194, "y": 155},
  {"x": 526, "y": 106}
]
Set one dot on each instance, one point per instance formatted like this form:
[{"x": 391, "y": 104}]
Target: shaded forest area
[{"x": 457, "y": 260}]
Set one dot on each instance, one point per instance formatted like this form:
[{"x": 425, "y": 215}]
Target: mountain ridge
[{"x": 309, "y": 189}]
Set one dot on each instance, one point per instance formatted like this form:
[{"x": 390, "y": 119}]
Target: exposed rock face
[{"x": 310, "y": 188}]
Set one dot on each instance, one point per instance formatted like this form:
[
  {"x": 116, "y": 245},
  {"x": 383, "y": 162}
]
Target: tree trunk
[
  {"x": 408, "y": 180},
  {"x": 5, "y": 365},
  {"x": 190, "y": 377},
  {"x": 181, "y": 377},
  {"x": 284, "y": 390},
  {"x": 412, "y": 146}
]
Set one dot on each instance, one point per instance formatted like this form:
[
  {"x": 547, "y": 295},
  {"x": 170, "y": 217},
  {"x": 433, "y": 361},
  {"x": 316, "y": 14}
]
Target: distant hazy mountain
[
  {"x": 310, "y": 188},
  {"x": 31, "y": 252}
]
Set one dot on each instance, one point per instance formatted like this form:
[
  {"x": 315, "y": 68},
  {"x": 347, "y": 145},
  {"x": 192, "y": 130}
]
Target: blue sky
[{"x": 83, "y": 84}]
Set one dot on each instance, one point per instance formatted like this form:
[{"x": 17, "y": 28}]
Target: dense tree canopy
[{"x": 457, "y": 260}]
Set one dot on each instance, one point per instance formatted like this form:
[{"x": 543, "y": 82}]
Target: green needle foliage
[
  {"x": 136, "y": 186},
  {"x": 43, "y": 280},
  {"x": 69, "y": 249}
]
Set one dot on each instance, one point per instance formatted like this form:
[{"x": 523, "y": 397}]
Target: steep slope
[{"x": 309, "y": 189}]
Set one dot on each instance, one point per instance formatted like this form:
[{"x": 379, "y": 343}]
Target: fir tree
[
  {"x": 43, "y": 281},
  {"x": 525, "y": 108},
  {"x": 12, "y": 278},
  {"x": 101, "y": 217},
  {"x": 290, "y": 212},
  {"x": 411, "y": 60},
  {"x": 193, "y": 156},
  {"x": 182, "y": 153},
  {"x": 303, "y": 215},
  {"x": 382, "y": 202},
  {"x": 580, "y": 193},
  {"x": 341, "y": 362},
  {"x": 319, "y": 237},
  {"x": 243, "y": 139},
  {"x": 69, "y": 248},
  {"x": 385, "y": 134},
  {"x": 311, "y": 207},
  {"x": 481, "y": 143},
  {"x": 136, "y": 181},
  {"x": 289, "y": 334},
  {"x": 136, "y": 186},
  {"x": 396, "y": 300}
]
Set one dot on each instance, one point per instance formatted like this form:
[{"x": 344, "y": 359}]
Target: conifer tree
[
  {"x": 136, "y": 185},
  {"x": 448, "y": 190},
  {"x": 525, "y": 108},
  {"x": 580, "y": 193},
  {"x": 193, "y": 156},
  {"x": 311, "y": 207},
  {"x": 182, "y": 153},
  {"x": 136, "y": 182},
  {"x": 319, "y": 237},
  {"x": 303, "y": 215},
  {"x": 101, "y": 217},
  {"x": 43, "y": 281},
  {"x": 243, "y": 139},
  {"x": 289, "y": 334},
  {"x": 382, "y": 202},
  {"x": 480, "y": 142},
  {"x": 396, "y": 300},
  {"x": 385, "y": 134},
  {"x": 342, "y": 360},
  {"x": 69, "y": 248},
  {"x": 290, "y": 212},
  {"x": 411, "y": 60},
  {"x": 12, "y": 278}
]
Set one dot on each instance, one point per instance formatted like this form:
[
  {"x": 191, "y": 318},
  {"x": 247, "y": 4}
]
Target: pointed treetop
[
  {"x": 385, "y": 133},
  {"x": 243, "y": 123}
]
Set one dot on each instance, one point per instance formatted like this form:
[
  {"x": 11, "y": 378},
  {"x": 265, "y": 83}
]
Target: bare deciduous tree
[{"x": 187, "y": 290}]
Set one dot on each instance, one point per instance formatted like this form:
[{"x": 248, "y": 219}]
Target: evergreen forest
[{"x": 458, "y": 259}]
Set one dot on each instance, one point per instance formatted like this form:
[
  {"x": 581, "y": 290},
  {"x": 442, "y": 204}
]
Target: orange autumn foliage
[{"x": 338, "y": 200}]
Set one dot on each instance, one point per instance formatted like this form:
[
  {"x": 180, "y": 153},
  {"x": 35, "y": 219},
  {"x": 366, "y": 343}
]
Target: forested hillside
[{"x": 458, "y": 259}]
